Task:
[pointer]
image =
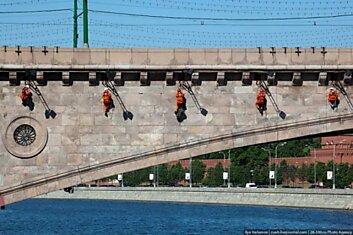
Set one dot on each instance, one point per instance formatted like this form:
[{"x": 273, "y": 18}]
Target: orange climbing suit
[
  {"x": 24, "y": 95},
  {"x": 332, "y": 96},
  {"x": 179, "y": 99},
  {"x": 107, "y": 101},
  {"x": 260, "y": 98}
]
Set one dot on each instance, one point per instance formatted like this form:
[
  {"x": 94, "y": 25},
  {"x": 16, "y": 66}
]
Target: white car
[{"x": 250, "y": 185}]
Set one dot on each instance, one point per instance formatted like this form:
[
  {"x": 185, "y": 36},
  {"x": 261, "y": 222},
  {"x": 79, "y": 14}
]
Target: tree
[
  {"x": 163, "y": 174},
  {"x": 303, "y": 173},
  {"x": 136, "y": 178},
  {"x": 176, "y": 173},
  {"x": 350, "y": 174},
  {"x": 239, "y": 175},
  {"x": 311, "y": 172},
  {"x": 283, "y": 172},
  {"x": 197, "y": 171},
  {"x": 260, "y": 175},
  {"x": 214, "y": 176},
  {"x": 292, "y": 173},
  {"x": 320, "y": 172},
  {"x": 342, "y": 170},
  {"x": 328, "y": 167}
]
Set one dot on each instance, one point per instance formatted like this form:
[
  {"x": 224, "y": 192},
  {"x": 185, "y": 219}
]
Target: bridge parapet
[
  {"x": 173, "y": 59},
  {"x": 148, "y": 65}
]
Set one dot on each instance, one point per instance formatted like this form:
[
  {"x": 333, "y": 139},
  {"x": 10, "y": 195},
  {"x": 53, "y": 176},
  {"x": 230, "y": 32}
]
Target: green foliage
[
  {"x": 214, "y": 176},
  {"x": 163, "y": 174},
  {"x": 239, "y": 175},
  {"x": 136, "y": 178},
  {"x": 176, "y": 173},
  {"x": 197, "y": 171},
  {"x": 245, "y": 160}
]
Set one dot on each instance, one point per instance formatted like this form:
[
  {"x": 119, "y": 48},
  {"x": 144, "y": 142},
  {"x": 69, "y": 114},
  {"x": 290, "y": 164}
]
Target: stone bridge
[{"x": 80, "y": 144}]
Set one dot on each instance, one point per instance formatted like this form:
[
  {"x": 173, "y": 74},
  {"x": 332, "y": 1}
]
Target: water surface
[{"x": 40, "y": 216}]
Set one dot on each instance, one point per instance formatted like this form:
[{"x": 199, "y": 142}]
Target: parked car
[
  {"x": 317, "y": 186},
  {"x": 250, "y": 185}
]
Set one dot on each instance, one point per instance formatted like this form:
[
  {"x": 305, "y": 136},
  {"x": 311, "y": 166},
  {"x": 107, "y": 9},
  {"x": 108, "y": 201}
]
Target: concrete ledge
[{"x": 308, "y": 198}]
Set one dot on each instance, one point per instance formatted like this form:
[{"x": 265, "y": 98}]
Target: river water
[{"x": 40, "y": 216}]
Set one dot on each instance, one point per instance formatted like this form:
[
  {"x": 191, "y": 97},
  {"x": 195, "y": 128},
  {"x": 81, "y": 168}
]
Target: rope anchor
[
  {"x": 264, "y": 86},
  {"x": 109, "y": 84}
]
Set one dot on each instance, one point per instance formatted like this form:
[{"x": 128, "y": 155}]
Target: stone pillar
[
  {"x": 246, "y": 79},
  {"x": 118, "y": 79},
  {"x": 41, "y": 81},
  {"x": 66, "y": 79},
  {"x": 169, "y": 79},
  {"x": 347, "y": 78},
  {"x": 92, "y": 79},
  {"x": 144, "y": 79},
  {"x": 195, "y": 79},
  {"x": 271, "y": 79},
  {"x": 297, "y": 79},
  {"x": 221, "y": 79},
  {"x": 323, "y": 81},
  {"x": 13, "y": 79}
]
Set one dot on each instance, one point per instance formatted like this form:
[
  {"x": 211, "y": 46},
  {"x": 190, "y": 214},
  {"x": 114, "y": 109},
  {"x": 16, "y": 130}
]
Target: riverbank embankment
[{"x": 307, "y": 198}]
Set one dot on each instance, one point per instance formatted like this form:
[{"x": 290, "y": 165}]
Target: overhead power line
[
  {"x": 220, "y": 19},
  {"x": 36, "y": 11},
  {"x": 268, "y": 8}
]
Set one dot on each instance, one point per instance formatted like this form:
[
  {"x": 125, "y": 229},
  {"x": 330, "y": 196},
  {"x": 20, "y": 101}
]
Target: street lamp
[
  {"x": 333, "y": 164},
  {"x": 224, "y": 160},
  {"x": 190, "y": 169},
  {"x": 251, "y": 175},
  {"x": 315, "y": 167},
  {"x": 334, "y": 161},
  {"x": 154, "y": 178},
  {"x": 229, "y": 168},
  {"x": 269, "y": 163},
  {"x": 280, "y": 144},
  {"x": 308, "y": 145}
]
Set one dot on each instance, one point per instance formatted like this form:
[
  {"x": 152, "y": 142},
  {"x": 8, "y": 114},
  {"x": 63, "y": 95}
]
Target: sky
[{"x": 180, "y": 23}]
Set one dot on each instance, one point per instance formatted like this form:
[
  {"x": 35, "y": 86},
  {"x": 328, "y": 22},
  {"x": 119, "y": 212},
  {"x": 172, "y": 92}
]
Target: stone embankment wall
[{"x": 309, "y": 198}]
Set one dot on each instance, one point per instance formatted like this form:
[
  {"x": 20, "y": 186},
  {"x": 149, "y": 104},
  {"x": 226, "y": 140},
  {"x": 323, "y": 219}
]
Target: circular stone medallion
[{"x": 25, "y": 137}]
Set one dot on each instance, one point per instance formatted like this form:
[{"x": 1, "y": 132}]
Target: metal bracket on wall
[
  {"x": 30, "y": 76},
  {"x": 188, "y": 88},
  {"x": 264, "y": 86},
  {"x": 338, "y": 85},
  {"x": 109, "y": 76}
]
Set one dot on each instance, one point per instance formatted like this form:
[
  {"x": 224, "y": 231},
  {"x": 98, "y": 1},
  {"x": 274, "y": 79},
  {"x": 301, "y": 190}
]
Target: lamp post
[
  {"x": 229, "y": 168},
  {"x": 334, "y": 167},
  {"x": 269, "y": 163},
  {"x": 122, "y": 180},
  {"x": 251, "y": 175},
  {"x": 308, "y": 145},
  {"x": 190, "y": 169},
  {"x": 154, "y": 176},
  {"x": 315, "y": 167},
  {"x": 280, "y": 144},
  {"x": 334, "y": 161},
  {"x": 224, "y": 160},
  {"x": 157, "y": 175}
]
